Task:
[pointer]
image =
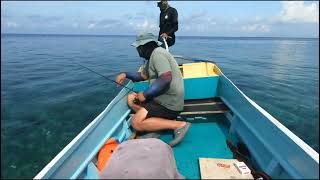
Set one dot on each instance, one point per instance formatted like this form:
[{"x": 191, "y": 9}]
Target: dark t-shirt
[{"x": 169, "y": 24}]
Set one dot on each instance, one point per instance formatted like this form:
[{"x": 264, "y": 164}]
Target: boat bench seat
[{"x": 204, "y": 106}]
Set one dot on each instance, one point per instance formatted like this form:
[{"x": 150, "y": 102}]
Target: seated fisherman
[{"x": 163, "y": 101}]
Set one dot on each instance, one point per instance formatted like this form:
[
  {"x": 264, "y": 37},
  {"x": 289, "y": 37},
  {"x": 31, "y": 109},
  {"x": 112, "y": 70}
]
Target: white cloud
[
  {"x": 249, "y": 28},
  {"x": 198, "y": 22},
  {"x": 213, "y": 23},
  {"x": 198, "y": 17},
  {"x": 92, "y": 25},
  {"x": 298, "y": 11},
  {"x": 256, "y": 28},
  {"x": 146, "y": 24},
  {"x": 12, "y": 24},
  {"x": 264, "y": 28}
]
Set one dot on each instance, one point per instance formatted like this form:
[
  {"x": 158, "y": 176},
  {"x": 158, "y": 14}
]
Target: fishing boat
[{"x": 226, "y": 124}]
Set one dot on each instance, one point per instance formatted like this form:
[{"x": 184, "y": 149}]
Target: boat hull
[{"x": 273, "y": 148}]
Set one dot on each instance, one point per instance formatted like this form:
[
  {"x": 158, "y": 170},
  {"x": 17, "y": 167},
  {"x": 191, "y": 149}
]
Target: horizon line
[{"x": 176, "y": 36}]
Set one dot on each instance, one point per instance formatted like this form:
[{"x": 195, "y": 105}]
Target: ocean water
[{"x": 46, "y": 99}]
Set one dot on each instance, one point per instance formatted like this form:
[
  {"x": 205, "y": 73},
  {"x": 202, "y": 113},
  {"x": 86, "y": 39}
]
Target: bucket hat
[{"x": 144, "y": 38}]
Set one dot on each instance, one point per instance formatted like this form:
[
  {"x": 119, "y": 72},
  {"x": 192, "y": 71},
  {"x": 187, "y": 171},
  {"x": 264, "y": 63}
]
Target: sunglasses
[{"x": 159, "y": 4}]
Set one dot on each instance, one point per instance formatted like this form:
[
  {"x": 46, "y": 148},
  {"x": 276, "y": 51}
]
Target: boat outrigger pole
[{"x": 130, "y": 89}]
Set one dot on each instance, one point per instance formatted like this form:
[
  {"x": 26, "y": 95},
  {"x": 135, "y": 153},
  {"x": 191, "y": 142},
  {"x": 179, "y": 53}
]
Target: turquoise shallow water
[{"x": 46, "y": 100}]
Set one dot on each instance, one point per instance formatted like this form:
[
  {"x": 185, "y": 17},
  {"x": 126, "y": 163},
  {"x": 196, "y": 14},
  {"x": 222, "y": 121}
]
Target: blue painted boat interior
[
  {"x": 272, "y": 151},
  {"x": 204, "y": 140},
  {"x": 195, "y": 88}
]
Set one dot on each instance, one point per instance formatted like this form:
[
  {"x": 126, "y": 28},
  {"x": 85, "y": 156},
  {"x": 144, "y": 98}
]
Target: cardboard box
[{"x": 242, "y": 168}]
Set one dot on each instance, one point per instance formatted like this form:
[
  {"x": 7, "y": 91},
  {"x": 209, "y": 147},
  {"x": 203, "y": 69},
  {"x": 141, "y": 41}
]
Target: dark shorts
[{"x": 156, "y": 110}]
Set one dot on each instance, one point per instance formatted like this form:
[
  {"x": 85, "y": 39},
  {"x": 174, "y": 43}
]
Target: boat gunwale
[
  {"x": 75, "y": 140},
  {"x": 303, "y": 145}
]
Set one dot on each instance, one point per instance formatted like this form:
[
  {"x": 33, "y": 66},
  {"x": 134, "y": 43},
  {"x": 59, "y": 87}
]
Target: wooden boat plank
[
  {"x": 206, "y": 107},
  {"x": 201, "y": 101},
  {"x": 202, "y": 104},
  {"x": 203, "y": 112}
]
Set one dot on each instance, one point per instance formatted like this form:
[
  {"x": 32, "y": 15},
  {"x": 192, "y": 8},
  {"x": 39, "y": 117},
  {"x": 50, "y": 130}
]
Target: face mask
[
  {"x": 162, "y": 6},
  {"x": 140, "y": 51}
]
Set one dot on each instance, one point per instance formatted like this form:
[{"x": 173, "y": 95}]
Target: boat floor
[{"x": 203, "y": 140}]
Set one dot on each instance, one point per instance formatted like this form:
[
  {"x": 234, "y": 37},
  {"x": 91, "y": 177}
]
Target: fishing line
[
  {"x": 130, "y": 89},
  {"x": 192, "y": 59},
  {"x": 125, "y": 94},
  {"x": 181, "y": 57}
]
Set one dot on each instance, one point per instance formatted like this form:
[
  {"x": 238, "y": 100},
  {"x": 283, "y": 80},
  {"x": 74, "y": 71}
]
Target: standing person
[
  {"x": 163, "y": 101},
  {"x": 168, "y": 22}
]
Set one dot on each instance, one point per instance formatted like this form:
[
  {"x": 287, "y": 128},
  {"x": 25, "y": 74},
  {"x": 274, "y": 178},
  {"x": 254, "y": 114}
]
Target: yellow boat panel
[{"x": 201, "y": 69}]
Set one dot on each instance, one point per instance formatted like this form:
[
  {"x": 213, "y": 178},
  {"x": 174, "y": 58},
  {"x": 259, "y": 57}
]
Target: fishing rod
[
  {"x": 192, "y": 59},
  {"x": 181, "y": 57},
  {"x": 165, "y": 43},
  {"x": 130, "y": 89}
]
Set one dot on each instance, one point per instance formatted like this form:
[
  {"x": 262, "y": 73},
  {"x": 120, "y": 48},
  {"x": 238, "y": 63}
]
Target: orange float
[{"x": 106, "y": 152}]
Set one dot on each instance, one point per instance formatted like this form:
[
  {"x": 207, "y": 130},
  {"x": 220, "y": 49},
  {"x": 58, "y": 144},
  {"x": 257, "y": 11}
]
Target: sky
[{"x": 196, "y": 18}]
